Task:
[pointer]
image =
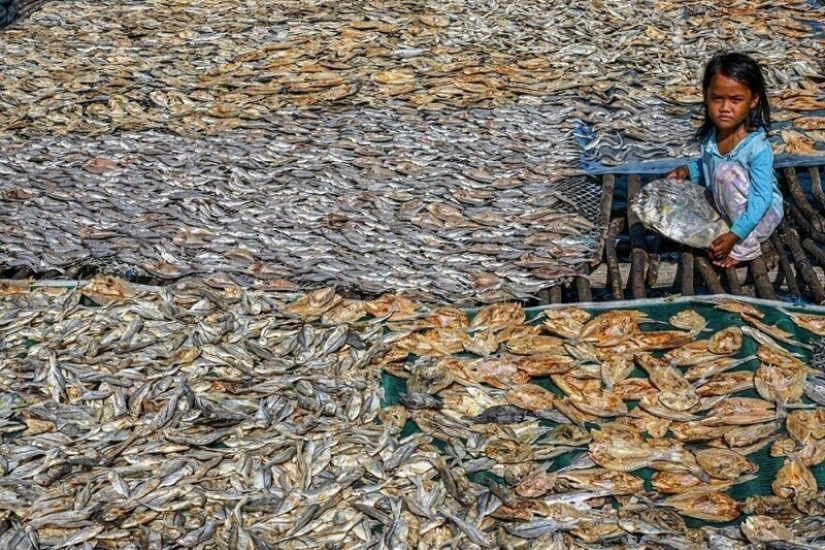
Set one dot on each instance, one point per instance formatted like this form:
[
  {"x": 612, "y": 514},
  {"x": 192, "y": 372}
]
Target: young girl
[{"x": 737, "y": 162}]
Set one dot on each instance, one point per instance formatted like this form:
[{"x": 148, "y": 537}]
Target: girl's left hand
[{"x": 722, "y": 245}]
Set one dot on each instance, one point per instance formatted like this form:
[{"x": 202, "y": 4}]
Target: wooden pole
[
  {"x": 814, "y": 250},
  {"x": 733, "y": 281},
  {"x": 785, "y": 266},
  {"x": 707, "y": 272},
  {"x": 792, "y": 179},
  {"x": 687, "y": 272},
  {"x": 816, "y": 187},
  {"x": 556, "y": 294},
  {"x": 583, "y": 290},
  {"x": 761, "y": 281},
  {"x": 637, "y": 242},
  {"x": 614, "y": 275},
  {"x": 803, "y": 266},
  {"x": 605, "y": 209},
  {"x": 805, "y": 224}
]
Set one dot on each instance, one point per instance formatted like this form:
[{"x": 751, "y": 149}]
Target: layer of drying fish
[
  {"x": 203, "y": 415},
  {"x": 630, "y": 69},
  {"x": 456, "y": 207},
  {"x": 618, "y": 428}
]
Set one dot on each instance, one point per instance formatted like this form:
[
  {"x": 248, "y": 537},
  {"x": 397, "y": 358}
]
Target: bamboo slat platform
[{"x": 792, "y": 261}]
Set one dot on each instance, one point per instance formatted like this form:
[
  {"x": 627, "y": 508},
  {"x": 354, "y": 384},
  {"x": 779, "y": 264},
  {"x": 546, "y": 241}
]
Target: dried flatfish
[
  {"x": 741, "y": 411},
  {"x": 794, "y": 480},
  {"x": 706, "y": 505},
  {"x": 498, "y": 316},
  {"x": 726, "y": 341},
  {"x": 617, "y": 483},
  {"x": 760, "y": 529},
  {"x": 745, "y": 436},
  {"x": 724, "y": 464},
  {"x": 810, "y": 322},
  {"x": 806, "y": 425},
  {"x": 736, "y": 306},
  {"x": 727, "y": 383},
  {"x": 531, "y": 397},
  {"x": 674, "y": 483},
  {"x": 689, "y": 320},
  {"x": 615, "y": 369},
  {"x": 546, "y": 365},
  {"x": 774, "y": 332},
  {"x": 780, "y": 384},
  {"x": 429, "y": 377}
]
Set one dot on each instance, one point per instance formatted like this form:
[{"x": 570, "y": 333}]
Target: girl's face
[{"x": 728, "y": 102}]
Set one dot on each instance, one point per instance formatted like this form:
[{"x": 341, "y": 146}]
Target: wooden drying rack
[{"x": 788, "y": 253}]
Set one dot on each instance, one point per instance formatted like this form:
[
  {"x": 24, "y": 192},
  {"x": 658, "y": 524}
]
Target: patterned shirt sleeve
[
  {"x": 760, "y": 170},
  {"x": 695, "y": 171}
]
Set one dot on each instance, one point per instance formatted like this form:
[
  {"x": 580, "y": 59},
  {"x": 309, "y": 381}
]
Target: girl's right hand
[{"x": 682, "y": 173}]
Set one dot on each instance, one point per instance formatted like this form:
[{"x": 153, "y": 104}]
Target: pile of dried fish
[
  {"x": 464, "y": 206},
  {"x": 202, "y": 415},
  {"x": 572, "y": 413},
  {"x": 631, "y": 69}
]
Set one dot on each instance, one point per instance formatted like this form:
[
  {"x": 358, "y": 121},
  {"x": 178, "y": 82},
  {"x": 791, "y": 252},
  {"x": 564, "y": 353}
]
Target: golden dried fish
[
  {"x": 645, "y": 422},
  {"x": 565, "y": 322},
  {"x": 726, "y": 342},
  {"x": 741, "y": 411},
  {"x": 706, "y": 505},
  {"x": 715, "y": 367},
  {"x": 498, "y": 316},
  {"x": 696, "y": 431},
  {"x": 727, "y": 383},
  {"x": 737, "y": 306},
  {"x": 724, "y": 464},
  {"x": 774, "y": 332},
  {"x": 611, "y": 327},
  {"x": 483, "y": 343},
  {"x": 598, "y": 479},
  {"x": 688, "y": 319},
  {"x": 780, "y": 384},
  {"x": 673, "y": 483},
  {"x": 633, "y": 389},
  {"x": 764, "y": 529},
  {"x": 616, "y": 368},
  {"x": 806, "y": 425},
  {"x": 546, "y": 365},
  {"x": 663, "y": 339},
  {"x": 499, "y": 371},
  {"x": 530, "y": 397},
  {"x": 794, "y": 480},
  {"x": 745, "y": 436},
  {"x": 810, "y": 322},
  {"x": 690, "y": 354},
  {"x": 533, "y": 344},
  {"x": 598, "y": 402}
]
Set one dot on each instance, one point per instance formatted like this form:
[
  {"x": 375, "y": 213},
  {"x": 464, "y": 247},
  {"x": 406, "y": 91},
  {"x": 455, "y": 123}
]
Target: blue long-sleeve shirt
[{"x": 755, "y": 155}]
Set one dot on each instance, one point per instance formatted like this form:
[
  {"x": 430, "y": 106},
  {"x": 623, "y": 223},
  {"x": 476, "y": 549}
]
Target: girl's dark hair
[{"x": 745, "y": 70}]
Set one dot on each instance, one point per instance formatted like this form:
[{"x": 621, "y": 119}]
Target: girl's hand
[
  {"x": 721, "y": 247},
  {"x": 682, "y": 173}
]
